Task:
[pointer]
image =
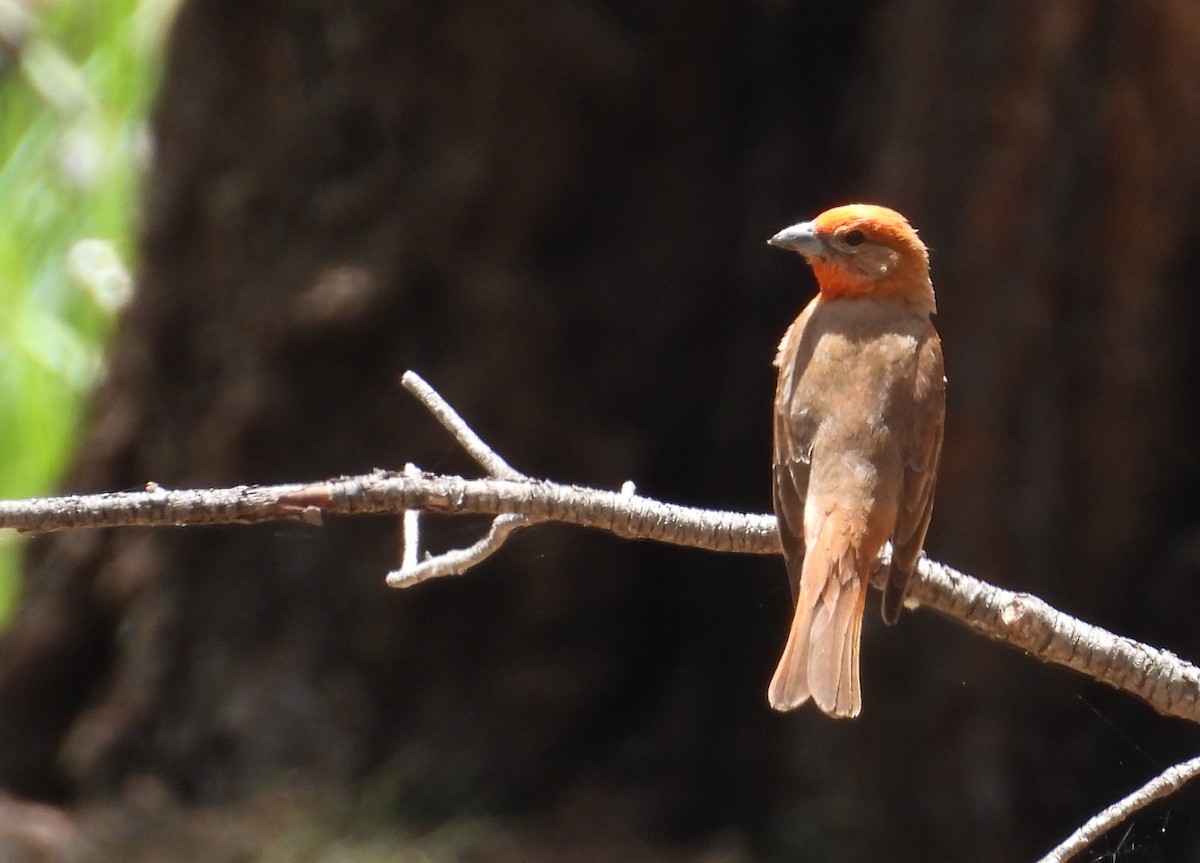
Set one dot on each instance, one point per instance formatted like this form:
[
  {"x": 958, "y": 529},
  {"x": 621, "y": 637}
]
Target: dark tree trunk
[{"x": 556, "y": 212}]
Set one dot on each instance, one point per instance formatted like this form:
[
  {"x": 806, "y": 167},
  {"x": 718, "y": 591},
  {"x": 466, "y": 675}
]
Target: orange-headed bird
[{"x": 859, "y": 410}]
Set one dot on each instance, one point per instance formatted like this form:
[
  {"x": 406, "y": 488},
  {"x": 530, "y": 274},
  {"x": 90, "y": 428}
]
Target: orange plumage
[{"x": 859, "y": 409}]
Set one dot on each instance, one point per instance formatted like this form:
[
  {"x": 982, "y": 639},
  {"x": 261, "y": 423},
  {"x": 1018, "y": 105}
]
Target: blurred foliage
[{"x": 76, "y": 80}]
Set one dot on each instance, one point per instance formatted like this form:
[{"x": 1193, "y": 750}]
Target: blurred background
[{"x": 227, "y": 227}]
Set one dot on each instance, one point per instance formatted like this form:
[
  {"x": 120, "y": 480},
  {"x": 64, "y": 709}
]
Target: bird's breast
[{"x": 853, "y": 379}]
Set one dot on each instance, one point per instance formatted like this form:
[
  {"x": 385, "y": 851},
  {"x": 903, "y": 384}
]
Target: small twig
[
  {"x": 1168, "y": 782},
  {"x": 456, "y": 561},
  {"x": 410, "y": 531},
  {"x": 433, "y": 402}
]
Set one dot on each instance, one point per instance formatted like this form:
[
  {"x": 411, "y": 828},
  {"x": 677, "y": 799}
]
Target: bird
[{"x": 860, "y": 406}]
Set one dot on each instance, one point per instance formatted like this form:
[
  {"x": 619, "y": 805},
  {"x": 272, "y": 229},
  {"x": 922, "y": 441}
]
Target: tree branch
[
  {"x": 1168, "y": 782},
  {"x": 1164, "y": 681},
  {"x": 1170, "y": 685},
  {"x": 388, "y": 492},
  {"x": 414, "y": 571}
]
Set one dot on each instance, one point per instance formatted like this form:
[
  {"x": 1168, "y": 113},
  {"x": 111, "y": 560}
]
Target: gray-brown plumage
[{"x": 859, "y": 410}]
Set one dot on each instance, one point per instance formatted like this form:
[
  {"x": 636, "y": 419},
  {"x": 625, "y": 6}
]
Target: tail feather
[
  {"x": 789, "y": 687},
  {"x": 834, "y": 637},
  {"x": 820, "y": 659}
]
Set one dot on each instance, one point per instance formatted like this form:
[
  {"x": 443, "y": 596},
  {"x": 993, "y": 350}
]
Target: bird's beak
[{"x": 800, "y": 237}]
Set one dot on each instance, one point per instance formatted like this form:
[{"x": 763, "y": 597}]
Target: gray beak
[{"x": 800, "y": 237}]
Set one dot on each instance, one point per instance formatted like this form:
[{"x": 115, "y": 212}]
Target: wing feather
[
  {"x": 792, "y": 449},
  {"x": 921, "y": 448}
]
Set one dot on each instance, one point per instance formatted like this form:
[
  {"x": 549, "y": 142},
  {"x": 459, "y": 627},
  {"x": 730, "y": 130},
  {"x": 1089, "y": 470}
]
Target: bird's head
[{"x": 863, "y": 250}]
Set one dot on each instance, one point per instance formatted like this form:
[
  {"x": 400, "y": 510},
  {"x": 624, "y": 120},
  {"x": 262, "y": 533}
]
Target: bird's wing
[
  {"x": 793, "y": 439},
  {"x": 921, "y": 446}
]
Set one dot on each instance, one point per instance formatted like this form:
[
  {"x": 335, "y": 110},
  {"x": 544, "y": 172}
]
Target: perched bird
[{"x": 859, "y": 409}]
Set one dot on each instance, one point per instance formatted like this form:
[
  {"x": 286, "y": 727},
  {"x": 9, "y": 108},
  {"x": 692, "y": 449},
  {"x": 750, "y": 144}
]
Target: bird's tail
[{"x": 821, "y": 656}]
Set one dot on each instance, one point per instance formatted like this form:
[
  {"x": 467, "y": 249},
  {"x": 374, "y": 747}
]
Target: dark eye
[{"x": 854, "y": 238}]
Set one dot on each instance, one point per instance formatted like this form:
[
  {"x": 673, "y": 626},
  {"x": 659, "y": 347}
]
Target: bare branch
[
  {"x": 390, "y": 493},
  {"x": 1160, "y": 786},
  {"x": 626, "y": 516},
  {"x": 487, "y": 458},
  {"x": 1170, "y": 685},
  {"x": 456, "y": 561},
  {"x": 459, "y": 560},
  {"x": 159, "y": 507},
  {"x": 410, "y": 531}
]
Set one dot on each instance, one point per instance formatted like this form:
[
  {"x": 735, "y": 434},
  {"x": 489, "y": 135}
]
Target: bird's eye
[{"x": 854, "y": 238}]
